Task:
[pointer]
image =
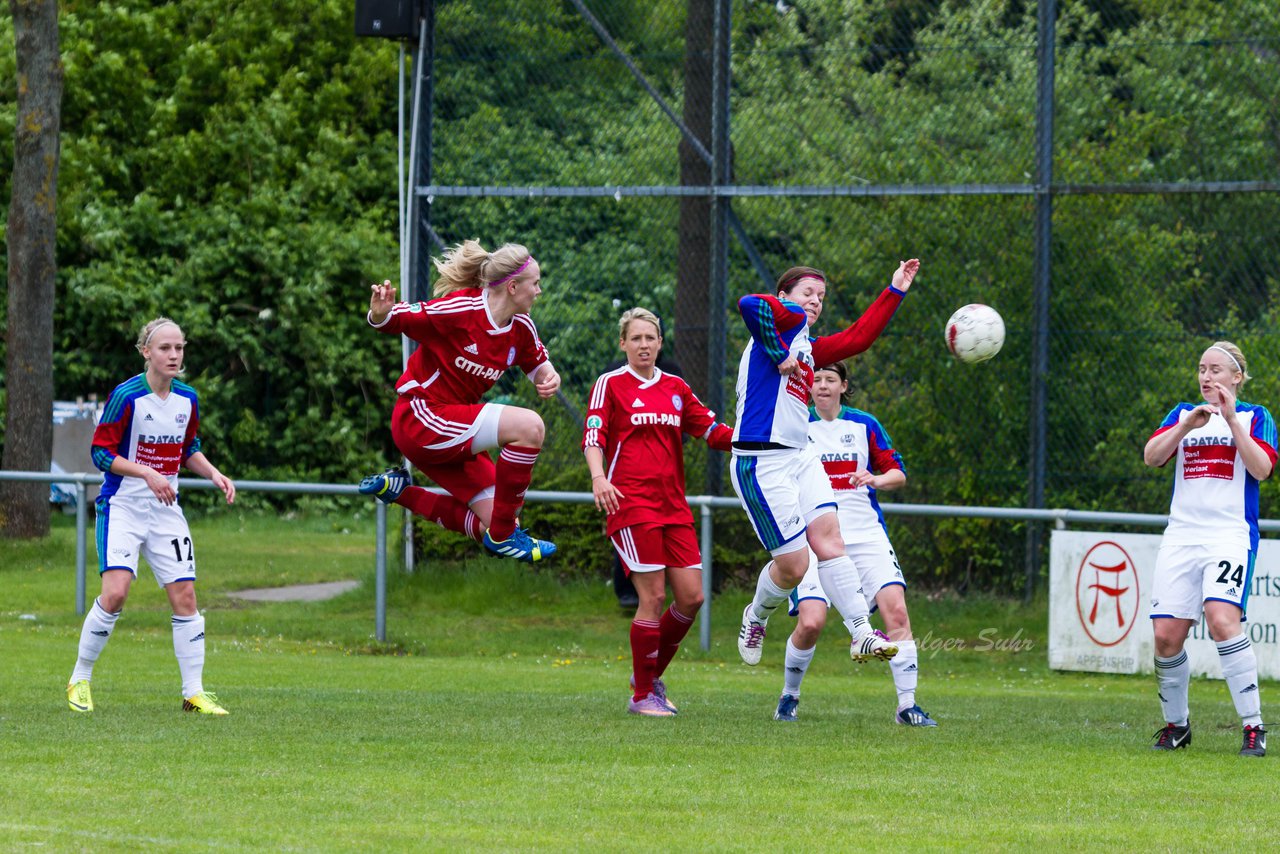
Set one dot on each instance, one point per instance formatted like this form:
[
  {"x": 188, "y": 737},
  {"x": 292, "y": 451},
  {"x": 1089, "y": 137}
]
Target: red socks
[
  {"x": 672, "y": 629},
  {"x": 514, "y": 471},
  {"x": 644, "y": 655},
  {"x": 445, "y": 510}
]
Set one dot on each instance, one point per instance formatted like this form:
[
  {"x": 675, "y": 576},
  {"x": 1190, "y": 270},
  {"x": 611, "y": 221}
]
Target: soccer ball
[{"x": 975, "y": 333}]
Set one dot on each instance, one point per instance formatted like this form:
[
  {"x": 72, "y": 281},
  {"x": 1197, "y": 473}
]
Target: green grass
[{"x": 495, "y": 721}]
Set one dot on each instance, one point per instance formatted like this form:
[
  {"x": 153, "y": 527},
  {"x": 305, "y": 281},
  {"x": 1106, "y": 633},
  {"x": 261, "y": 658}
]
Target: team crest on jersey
[
  {"x": 180, "y": 418},
  {"x": 846, "y": 439},
  {"x": 594, "y": 422},
  {"x": 414, "y": 308},
  {"x": 677, "y": 402},
  {"x": 511, "y": 356}
]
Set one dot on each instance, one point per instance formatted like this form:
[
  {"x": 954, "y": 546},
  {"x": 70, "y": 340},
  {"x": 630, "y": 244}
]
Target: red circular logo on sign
[{"x": 1107, "y": 593}]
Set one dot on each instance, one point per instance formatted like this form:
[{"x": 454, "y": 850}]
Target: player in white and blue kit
[
  {"x": 149, "y": 429},
  {"x": 859, "y": 459},
  {"x": 1223, "y": 448},
  {"x": 785, "y": 491}
]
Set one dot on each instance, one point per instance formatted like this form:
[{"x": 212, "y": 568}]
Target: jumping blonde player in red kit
[{"x": 476, "y": 328}]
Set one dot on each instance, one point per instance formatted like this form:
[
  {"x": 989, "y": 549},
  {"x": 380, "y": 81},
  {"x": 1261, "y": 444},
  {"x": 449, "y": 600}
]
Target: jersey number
[
  {"x": 1237, "y": 577},
  {"x": 177, "y": 547}
]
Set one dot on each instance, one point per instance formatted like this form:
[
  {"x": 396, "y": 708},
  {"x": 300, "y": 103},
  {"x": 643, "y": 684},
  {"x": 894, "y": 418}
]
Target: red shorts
[
  {"x": 437, "y": 440},
  {"x": 648, "y": 548}
]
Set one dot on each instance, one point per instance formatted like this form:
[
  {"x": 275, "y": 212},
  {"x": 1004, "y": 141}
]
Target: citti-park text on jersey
[
  {"x": 469, "y": 367},
  {"x": 639, "y": 419}
]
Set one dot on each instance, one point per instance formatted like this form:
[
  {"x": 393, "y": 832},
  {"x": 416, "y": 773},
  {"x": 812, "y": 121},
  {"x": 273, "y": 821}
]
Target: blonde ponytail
[{"x": 468, "y": 265}]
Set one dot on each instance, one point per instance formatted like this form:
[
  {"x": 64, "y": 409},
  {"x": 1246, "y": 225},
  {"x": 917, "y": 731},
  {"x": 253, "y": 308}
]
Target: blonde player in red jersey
[
  {"x": 148, "y": 430},
  {"x": 632, "y": 441},
  {"x": 476, "y": 328},
  {"x": 1222, "y": 449}
]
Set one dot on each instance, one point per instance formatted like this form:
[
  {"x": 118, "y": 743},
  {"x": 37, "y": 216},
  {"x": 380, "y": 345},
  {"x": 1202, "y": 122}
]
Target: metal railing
[{"x": 704, "y": 503}]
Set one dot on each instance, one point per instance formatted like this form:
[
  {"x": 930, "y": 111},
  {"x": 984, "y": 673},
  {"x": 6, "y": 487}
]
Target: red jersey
[
  {"x": 462, "y": 352},
  {"x": 638, "y": 423}
]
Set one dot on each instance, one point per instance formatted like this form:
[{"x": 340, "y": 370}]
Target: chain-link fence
[{"x": 862, "y": 133}]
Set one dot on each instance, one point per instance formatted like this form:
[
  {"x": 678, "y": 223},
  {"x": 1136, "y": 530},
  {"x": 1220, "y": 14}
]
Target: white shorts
[
  {"x": 782, "y": 492},
  {"x": 127, "y": 528},
  {"x": 877, "y": 569},
  {"x": 1188, "y": 576}
]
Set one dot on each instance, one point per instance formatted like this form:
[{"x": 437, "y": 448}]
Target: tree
[
  {"x": 24, "y": 508},
  {"x": 693, "y": 276}
]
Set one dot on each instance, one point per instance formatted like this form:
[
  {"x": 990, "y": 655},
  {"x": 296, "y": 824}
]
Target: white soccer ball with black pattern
[{"x": 975, "y": 333}]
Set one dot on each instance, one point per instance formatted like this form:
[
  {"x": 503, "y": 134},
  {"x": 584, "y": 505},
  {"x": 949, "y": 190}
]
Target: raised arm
[
  {"x": 395, "y": 318},
  {"x": 830, "y": 349}
]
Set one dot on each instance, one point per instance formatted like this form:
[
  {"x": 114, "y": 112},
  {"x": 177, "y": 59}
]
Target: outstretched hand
[
  {"x": 382, "y": 298},
  {"x": 905, "y": 274}
]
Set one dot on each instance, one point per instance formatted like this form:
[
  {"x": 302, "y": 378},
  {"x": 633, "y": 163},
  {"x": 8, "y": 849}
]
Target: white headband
[
  {"x": 152, "y": 333},
  {"x": 1229, "y": 356}
]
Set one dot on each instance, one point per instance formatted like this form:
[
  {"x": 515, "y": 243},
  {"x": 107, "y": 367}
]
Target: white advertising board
[{"x": 1100, "y": 606}]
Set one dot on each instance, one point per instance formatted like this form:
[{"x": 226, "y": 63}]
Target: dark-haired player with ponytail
[{"x": 469, "y": 335}]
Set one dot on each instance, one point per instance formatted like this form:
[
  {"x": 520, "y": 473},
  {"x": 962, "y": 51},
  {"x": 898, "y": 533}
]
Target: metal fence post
[
  {"x": 704, "y": 613},
  {"x": 380, "y": 576},
  {"x": 1041, "y": 287},
  {"x": 81, "y": 518}
]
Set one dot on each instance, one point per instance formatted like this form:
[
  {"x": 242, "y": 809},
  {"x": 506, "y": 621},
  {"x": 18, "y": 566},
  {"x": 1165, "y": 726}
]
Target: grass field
[{"x": 494, "y": 720}]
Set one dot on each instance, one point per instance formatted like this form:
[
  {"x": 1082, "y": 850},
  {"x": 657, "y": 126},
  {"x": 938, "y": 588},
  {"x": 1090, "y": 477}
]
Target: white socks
[
  {"x": 797, "y": 663},
  {"x": 768, "y": 596},
  {"x": 98, "y": 625},
  {"x": 1173, "y": 676},
  {"x": 1240, "y": 667},
  {"x": 188, "y": 646},
  {"x": 843, "y": 586},
  {"x": 906, "y": 673}
]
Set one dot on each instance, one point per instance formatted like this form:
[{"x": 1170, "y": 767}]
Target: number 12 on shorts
[{"x": 177, "y": 547}]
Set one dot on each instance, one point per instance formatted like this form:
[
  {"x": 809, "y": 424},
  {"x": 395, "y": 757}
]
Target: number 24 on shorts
[{"x": 1229, "y": 576}]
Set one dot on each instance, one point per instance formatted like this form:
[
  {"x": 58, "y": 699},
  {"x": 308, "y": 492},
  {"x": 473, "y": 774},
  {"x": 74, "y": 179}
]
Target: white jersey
[
  {"x": 1215, "y": 499},
  {"x": 144, "y": 428},
  {"x": 854, "y": 441},
  {"x": 773, "y": 408}
]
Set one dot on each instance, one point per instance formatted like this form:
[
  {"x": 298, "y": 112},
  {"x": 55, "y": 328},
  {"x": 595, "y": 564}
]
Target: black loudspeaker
[{"x": 388, "y": 19}]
